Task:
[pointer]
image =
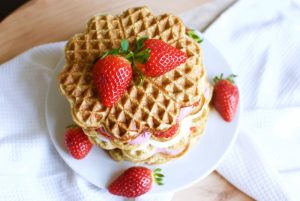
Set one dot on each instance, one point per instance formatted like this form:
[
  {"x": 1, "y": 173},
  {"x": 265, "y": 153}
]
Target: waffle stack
[{"x": 179, "y": 96}]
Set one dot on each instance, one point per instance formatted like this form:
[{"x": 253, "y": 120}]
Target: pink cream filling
[
  {"x": 169, "y": 151},
  {"x": 145, "y": 136},
  {"x": 207, "y": 92},
  {"x": 185, "y": 111}
]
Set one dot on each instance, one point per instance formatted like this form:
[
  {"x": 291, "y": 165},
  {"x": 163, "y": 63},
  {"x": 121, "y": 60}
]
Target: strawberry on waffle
[{"x": 142, "y": 99}]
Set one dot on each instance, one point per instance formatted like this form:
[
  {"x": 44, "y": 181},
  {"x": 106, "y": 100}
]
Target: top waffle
[{"x": 153, "y": 106}]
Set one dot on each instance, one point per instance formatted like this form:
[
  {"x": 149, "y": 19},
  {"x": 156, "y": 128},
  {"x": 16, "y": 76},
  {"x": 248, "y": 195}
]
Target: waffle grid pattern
[
  {"x": 148, "y": 154},
  {"x": 150, "y": 106}
]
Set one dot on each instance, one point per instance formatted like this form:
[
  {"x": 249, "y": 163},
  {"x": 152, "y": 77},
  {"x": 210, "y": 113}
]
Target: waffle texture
[
  {"x": 152, "y": 155},
  {"x": 153, "y": 106}
]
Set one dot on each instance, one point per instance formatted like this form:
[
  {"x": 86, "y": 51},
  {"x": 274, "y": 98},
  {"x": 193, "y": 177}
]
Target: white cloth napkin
[
  {"x": 261, "y": 41},
  {"x": 31, "y": 169}
]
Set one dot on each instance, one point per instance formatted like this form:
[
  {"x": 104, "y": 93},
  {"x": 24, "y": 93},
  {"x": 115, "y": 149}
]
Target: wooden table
[{"x": 43, "y": 21}]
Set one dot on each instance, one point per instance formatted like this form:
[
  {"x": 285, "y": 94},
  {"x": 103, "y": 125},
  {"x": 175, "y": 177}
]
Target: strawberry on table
[
  {"x": 135, "y": 181},
  {"x": 76, "y": 142},
  {"x": 225, "y": 97},
  {"x": 163, "y": 58},
  {"x": 111, "y": 75}
]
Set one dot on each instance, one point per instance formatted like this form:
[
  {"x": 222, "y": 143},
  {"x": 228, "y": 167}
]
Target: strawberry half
[
  {"x": 77, "y": 143},
  {"x": 168, "y": 133},
  {"x": 111, "y": 75},
  {"x": 163, "y": 58},
  {"x": 225, "y": 97},
  {"x": 135, "y": 181}
]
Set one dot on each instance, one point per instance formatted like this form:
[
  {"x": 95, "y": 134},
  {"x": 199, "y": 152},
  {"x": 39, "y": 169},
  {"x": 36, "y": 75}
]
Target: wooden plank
[
  {"x": 212, "y": 188},
  {"x": 43, "y": 21}
]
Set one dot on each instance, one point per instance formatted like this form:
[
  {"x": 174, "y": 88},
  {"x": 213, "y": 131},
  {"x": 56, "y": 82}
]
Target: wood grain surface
[{"x": 43, "y": 21}]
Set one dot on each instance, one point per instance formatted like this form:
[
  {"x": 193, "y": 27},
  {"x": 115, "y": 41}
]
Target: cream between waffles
[{"x": 179, "y": 96}]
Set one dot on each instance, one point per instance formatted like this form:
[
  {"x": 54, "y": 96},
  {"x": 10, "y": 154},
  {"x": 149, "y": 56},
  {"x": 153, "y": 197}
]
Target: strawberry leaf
[
  {"x": 129, "y": 56},
  {"x": 157, "y": 170},
  {"x": 230, "y": 78},
  {"x": 159, "y": 175},
  {"x": 140, "y": 43},
  {"x": 139, "y": 78},
  {"x": 104, "y": 55},
  {"x": 194, "y": 35},
  {"x": 142, "y": 56},
  {"x": 113, "y": 51},
  {"x": 124, "y": 46}
]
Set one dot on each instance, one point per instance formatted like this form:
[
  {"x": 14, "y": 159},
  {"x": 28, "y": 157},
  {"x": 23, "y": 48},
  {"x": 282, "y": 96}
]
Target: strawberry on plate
[
  {"x": 163, "y": 58},
  {"x": 76, "y": 142},
  {"x": 111, "y": 75},
  {"x": 168, "y": 133},
  {"x": 225, "y": 97},
  {"x": 135, "y": 181}
]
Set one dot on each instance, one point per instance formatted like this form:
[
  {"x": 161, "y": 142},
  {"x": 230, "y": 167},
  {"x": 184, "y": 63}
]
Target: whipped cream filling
[
  {"x": 142, "y": 138},
  {"x": 186, "y": 123},
  {"x": 162, "y": 147},
  {"x": 145, "y": 138},
  {"x": 184, "y": 112},
  {"x": 171, "y": 152}
]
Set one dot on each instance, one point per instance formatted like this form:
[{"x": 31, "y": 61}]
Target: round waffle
[
  {"x": 112, "y": 143},
  {"x": 150, "y": 155},
  {"x": 153, "y": 106}
]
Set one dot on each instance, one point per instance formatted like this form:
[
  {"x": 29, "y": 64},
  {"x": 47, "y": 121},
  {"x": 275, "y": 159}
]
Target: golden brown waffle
[
  {"x": 147, "y": 154},
  {"x": 115, "y": 143},
  {"x": 149, "y": 106},
  {"x": 150, "y": 156}
]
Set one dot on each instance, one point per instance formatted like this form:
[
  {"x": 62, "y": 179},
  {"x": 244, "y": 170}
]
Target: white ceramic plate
[{"x": 100, "y": 169}]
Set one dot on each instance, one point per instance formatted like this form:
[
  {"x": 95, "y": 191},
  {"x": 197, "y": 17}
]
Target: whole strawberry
[
  {"x": 168, "y": 133},
  {"x": 135, "y": 181},
  {"x": 111, "y": 75},
  {"x": 163, "y": 58},
  {"x": 225, "y": 97},
  {"x": 77, "y": 143}
]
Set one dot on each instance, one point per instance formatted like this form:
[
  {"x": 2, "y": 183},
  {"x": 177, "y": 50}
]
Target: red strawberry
[
  {"x": 77, "y": 143},
  {"x": 135, "y": 181},
  {"x": 225, "y": 97},
  {"x": 111, "y": 75},
  {"x": 168, "y": 133},
  {"x": 163, "y": 58}
]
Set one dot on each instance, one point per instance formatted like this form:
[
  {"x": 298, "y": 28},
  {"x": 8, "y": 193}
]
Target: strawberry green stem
[
  {"x": 230, "y": 78},
  {"x": 158, "y": 176},
  {"x": 139, "y": 55},
  {"x": 192, "y": 33}
]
